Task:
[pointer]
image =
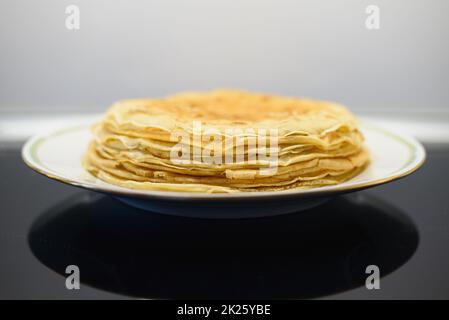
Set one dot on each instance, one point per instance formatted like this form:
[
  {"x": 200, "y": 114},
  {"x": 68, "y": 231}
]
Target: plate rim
[{"x": 415, "y": 162}]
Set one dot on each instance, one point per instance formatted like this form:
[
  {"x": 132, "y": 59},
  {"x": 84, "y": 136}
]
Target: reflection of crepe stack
[{"x": 318, "y": 143}]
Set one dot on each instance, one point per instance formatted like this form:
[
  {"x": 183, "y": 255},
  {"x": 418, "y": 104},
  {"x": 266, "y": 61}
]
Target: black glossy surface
[{"x": 403, "y": 227}]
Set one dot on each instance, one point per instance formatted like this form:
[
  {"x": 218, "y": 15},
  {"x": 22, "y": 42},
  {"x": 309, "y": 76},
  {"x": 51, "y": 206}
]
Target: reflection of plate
[
  {"x": 315, "y": 253},
  {"x": 58, "y": 156}
]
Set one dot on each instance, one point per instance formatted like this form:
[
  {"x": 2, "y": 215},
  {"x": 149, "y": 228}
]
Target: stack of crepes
[{"x": 317, "y": 143}]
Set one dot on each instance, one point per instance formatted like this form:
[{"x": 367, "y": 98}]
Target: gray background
[{"x": 319, "y": 49}]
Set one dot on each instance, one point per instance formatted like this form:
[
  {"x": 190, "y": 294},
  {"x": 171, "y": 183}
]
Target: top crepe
[{"x": 317, "y": 143}]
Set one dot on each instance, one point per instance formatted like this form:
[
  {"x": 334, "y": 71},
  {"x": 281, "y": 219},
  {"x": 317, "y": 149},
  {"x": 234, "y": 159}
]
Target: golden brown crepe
[{"x": 243, "y": 142}]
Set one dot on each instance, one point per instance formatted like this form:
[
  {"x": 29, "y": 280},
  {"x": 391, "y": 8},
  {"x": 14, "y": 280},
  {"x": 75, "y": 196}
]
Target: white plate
[{"x": 58, "y": 156}]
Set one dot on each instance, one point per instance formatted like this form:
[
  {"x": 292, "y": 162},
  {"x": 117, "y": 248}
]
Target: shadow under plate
[{"x": 312, "y": 253}]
